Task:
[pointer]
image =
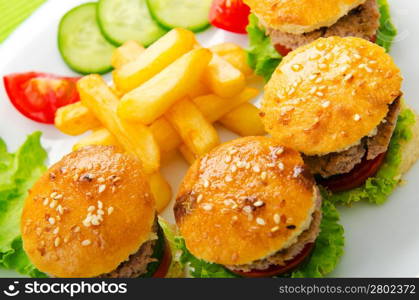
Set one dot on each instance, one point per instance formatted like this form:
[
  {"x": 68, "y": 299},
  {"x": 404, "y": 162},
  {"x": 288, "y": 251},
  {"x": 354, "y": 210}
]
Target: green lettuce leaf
[
  {"x": 387, "y": 31},
  {"x": 261, "y": 55},
  {"x": 263, "y": 58},
  {"x": 325, "y": 256},
  {"x": 18, "y": 172},
  {"x": 377, "y": 189}
]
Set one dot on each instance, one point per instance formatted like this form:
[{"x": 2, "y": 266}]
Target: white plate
[{"x": 381, "y": 241}]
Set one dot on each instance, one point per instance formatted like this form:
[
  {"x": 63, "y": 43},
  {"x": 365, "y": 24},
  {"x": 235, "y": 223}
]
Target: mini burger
[
  {"x": 337, "y": 101},
  {"x": 251, "y": 207},
  {"x": 92, "y": 215},
  {"x": 293, "y": 23}
]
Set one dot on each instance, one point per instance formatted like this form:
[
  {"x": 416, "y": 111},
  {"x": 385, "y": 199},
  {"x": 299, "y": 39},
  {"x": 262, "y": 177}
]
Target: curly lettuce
[
  {"x": 325, "y": 256},
  {"x": 378, "y": 188},
  {"x": 263, "y": 58},
  {"x": 18, "y": 172}
]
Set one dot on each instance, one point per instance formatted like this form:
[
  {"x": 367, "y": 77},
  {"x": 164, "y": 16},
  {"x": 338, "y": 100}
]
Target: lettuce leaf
[
  {"x": 387, "y": 31},
  {"x": 18, "y": 172},
  {"x": 261, "y": 55},
  {"x": 325, "y": 256},
  {"x": 377, "y": 189},
  {"x": 263, "y": 58}
]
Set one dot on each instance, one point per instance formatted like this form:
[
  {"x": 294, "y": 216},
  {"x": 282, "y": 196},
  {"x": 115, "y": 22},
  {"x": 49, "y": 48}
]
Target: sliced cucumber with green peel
[
  {"x": 123, "y": 20},
  {"x": 189, "y": 14},
  {"x": 81, "y": 43}
]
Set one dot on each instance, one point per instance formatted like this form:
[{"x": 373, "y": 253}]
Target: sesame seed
[
  {"x": 296, "y": 67},
  {"x": 357, "y": 117},
  {"x": 248, "y": 166},
  {"x": 320, "y": 94},
  {"x": 95, "y": 221},
  {"x": 313, "y": 90},
  {"x": 76, "y": 229},
  {"x": 38, "y": 230},
  {"x": 323, "y": 87},
  {"x": 100, "y": 212},
  {"x": 110, "y": 210},
  {"x": 314, "y": 56},
  {"x": 233, "y": 151},
  {"x": 66, "y": 239},
  {"x": 206, "y": 183},
  {"x": 51, "y": 220},
  {"x": 53, "y": 204},
  {"x": 247, "y": 209},
  {"x": 312, "y": 77},
  {"x": 57, "y": 241},
  {"x": 56, "y": 230},
  {"x": 260, "y": 221},
  {"x": 100, "y": 204},
  {"x": 362, "y": 66},
  {"x": 357, "y": 56},
  {"x": 233, "y": 168},
  {"x": 240, "y": 164},
  {"x": 91, "y": 208},
  {"x": 102, "y": 188},
  {"x": 280, "y": 95},
  {"x": 207, "y": 206},
  {"x": 270, "y": 165},
  {"x": 274, "y": 229},
  {"x": 264, "y": 175},
  {"x": 277, "y": 218},
  {"x": 326, "y": 104},
  {"x": 322, "y": 66},
  {"x": 297, "y": 171},
  {"x": 279, "y": 150},
  {"x": 101, "y": 180},
  {"x": 60, "y": 209},
  {"x": 318, "y": 80},
  {"x": 53, "y": 194},
  {"x": 86, "y": 243},
  {"x": 58, "y": 197},
  {"x": 258, "y": 203},
  {"x": 348, "y": 77},
  {"x": 256, "y": 169},
  {"x": 199, "y": 198},
  {"x": 368, "y": 69},
  {"x": 46, "y": 201},
  {"x": 234, "y": 218},
  {"x": 291, "y": 91},
  {"x": 228, "y": 178},
  {"x": 227, "y": 159},
  {"x": 281, "y": 166}
]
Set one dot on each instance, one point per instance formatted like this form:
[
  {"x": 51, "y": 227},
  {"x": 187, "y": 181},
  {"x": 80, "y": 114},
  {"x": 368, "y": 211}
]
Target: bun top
[
  {"x": 300, "y": 16},
  {"x": 98, "y": 181},
  {"x": 324, "y": 97},
  {"x": 244, "y": 201}
]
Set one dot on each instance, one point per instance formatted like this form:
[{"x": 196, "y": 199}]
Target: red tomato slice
[
  {"x": 357, "y": 177},
  {"x": 230, "y": 15},
  {"x": 282, "y": 49},
  {"x": 39, "y": 95},
  {"x": 165, "y": 262},
  {"x": 278, "y": 270}
]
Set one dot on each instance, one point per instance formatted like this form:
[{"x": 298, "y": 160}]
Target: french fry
[
  {"x": 187, "y": 154},
  {"x": 135, "y": 138},
  {"x": 161, "y": 190},
  {"x": 214, "y": 107},
  {"x": 235, "y": 55},
  {"x": 223, "y": 79},
  {"x": 165, "y": 135},
  {"x": 196, "y": 132},
  {"x": 126, "y": 53},
  {"x": 244, "y": 120},
  {"x": 152, "y": 99},
  {"x": 101, "y": 136},
  {"x": 153, "y": 60},
  {"x": 199, "y": 89},
  {"x": 75, "y": 119}
]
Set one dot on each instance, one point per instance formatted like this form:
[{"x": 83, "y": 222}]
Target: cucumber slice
[
  {"x": 189, "y": 14},
  {"x": 81, "y": 43},
  {"x": 123, "y": 20}
]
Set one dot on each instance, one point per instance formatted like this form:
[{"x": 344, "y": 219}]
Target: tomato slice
[
  {"x": 165, "y": 262},
  {"x": 230, "y": 15},
  {"x": 278, "y": 270},
  {"x": 39, "y": 95},
  {"x": 357, "y": 177},
  {"x": 282, "y": 49}
]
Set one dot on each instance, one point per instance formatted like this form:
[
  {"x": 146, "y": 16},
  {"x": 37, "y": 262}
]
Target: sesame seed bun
[
  {"x": 326, "y": 96},
  {"x": 300, "y": 16},
  {"x": 236, "y": 202},
  {"x": 59, "y": 238}
]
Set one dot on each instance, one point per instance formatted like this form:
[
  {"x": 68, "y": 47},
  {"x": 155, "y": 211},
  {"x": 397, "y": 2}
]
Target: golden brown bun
[
  {"x": 210, "y": 207},
  {"x": 300, "y": 16},
  {"x": 84, "y": 177},
  {"x": 326, "y": 96}
]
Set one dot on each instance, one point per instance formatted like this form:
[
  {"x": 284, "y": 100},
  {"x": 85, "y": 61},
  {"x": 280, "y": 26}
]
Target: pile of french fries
[{"x": 163, "y": 99}]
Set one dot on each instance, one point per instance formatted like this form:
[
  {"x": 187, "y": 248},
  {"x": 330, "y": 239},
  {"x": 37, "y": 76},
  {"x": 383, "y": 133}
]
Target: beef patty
[
  {"x": 362, "y": 22},
  {"x": 280, "y": 258},
  {"x": 137, "y": 263},
  {"x": 343, "y": 162}
]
